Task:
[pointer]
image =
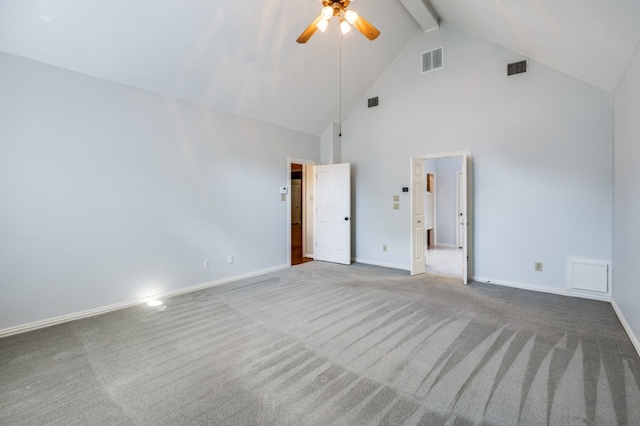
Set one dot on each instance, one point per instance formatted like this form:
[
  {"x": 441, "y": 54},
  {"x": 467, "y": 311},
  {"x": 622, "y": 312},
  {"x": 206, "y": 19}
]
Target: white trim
[
  {"x": 545, "y": 289},
  {"x": 109, "y": 308},
  {"x": 311, "y": 256},
  {"x": 383, "y": 264},
  {"x": 447, "y": 154},
  {"x": 458, "y": 210},
  {"x": 626, "y": 326}
]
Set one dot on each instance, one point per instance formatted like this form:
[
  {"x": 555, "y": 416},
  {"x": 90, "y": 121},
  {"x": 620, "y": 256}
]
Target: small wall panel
[{"x": 589, "y": 275}]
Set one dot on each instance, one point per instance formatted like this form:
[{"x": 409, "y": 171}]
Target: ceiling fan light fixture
[
  {"x": 344, "y": 26},
  {"x": 327, "y": 12},
  {"x": 346, "y": 18},
  {"x": 322, "y": 24},
  {"x": 350, "y": 16}
]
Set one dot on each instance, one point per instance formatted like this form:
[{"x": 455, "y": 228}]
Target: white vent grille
[{"x": 432, "y": 60}]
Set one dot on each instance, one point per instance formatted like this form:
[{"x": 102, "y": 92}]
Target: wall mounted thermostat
[
  {"x": 283, "y": 190},
  {"x": 405, "y": 189}
]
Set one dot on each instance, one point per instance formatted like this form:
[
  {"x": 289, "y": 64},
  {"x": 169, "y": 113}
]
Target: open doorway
[
  {"x": 440, "y": 214},
  {"x": 300, "y": 211},
  {"x": 298, "y": 220},
  {"x": 443, "y": 248}
]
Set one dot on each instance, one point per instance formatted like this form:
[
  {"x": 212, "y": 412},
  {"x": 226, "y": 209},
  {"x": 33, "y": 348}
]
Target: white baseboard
[
  {"x": 627, "y": 327},
  {"x": 544, "y": 289},
  {"x": 109, "y": 308},
  {"x": 383, "y": 264}
]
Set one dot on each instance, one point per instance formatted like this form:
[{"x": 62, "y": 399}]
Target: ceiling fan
[{"x": 347, "y": 18}]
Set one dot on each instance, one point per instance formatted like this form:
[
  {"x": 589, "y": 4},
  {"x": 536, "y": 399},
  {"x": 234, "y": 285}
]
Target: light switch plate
[
  {"x": 396, "y": 206},
  {"x": 396, "y": 198}
]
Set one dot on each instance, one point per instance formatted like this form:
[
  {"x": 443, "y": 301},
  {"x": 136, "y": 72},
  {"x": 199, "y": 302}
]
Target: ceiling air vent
[
  {"x": 372, "y": 102},
  {"x": 432, "y": 60},
  {"x": 517, "y": 68}
]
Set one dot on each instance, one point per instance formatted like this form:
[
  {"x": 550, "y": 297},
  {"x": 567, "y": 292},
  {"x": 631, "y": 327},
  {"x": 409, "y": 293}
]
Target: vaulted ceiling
[{"x": 241, "y": 56}]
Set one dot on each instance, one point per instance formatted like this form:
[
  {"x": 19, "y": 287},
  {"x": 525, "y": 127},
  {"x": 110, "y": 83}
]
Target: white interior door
[
  {"x": 333, "y": 213},
  {"x": 429, "y": 213},
  {"x": 418, "y": 262},
  {"x": 459, "y": 214},
  {"x": 463, "y": 217}
]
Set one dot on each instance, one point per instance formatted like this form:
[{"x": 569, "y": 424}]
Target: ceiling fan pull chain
[{"x": 340, "y": 85}]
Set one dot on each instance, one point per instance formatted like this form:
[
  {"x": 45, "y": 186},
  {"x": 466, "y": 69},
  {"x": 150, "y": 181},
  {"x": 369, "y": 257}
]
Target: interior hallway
[{"x": 444, "y": 261}]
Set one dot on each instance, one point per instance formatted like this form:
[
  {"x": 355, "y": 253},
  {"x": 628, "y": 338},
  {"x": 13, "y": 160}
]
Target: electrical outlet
[
  {"x": 384, "y": 247},
  {"x": 230, "y": 259},
  {"x": 396, "y": 206},
  {"x": 538, "y": 266},
  {"x": 206, "y": 264},
  {"x": 396, "y": 198}
]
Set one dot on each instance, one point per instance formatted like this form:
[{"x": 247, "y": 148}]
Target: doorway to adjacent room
[
  {"x": 298, "y": 212},
  {"x": 441, "y": 214}
]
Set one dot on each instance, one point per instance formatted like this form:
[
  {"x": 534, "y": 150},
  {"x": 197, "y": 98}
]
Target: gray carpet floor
[{"x": 327, "y": 344}]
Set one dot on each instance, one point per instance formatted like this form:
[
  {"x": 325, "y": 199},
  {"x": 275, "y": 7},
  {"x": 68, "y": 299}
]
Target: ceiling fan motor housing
[{"x": 338, "y": 6}]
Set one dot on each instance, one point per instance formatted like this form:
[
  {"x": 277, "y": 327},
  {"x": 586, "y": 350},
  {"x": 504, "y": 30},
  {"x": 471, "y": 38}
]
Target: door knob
[{"x": 346, "y": 218}]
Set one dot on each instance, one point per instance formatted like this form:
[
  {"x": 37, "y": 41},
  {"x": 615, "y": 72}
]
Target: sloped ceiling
[
  {"x": 241, "y": 56},
  {"x": 591, "y": 40}
]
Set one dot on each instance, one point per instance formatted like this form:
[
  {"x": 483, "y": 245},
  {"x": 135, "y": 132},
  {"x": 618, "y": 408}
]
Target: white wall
[
  {"x": 110, "y": 193},
  {"x": 330, "y": 145},
  {"x": 626, "y": 197},
  {"x": 541, "y": 146}
]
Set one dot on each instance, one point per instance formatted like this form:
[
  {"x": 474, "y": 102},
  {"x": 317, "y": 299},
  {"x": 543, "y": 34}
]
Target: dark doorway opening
[{"x": 297, "y": 215}]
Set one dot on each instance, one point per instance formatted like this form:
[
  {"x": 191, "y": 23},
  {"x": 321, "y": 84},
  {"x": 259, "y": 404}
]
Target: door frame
[
  {"x": 458, "y": 208},
  {"x": 435, "y": 213},
  {"x": 293, "y": 160},
  {"x": 467, "y": 173}
]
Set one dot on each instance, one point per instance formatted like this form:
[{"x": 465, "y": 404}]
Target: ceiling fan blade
[
  {"x": 368, "y": 30},
  {"x": 307, "y": 33}
]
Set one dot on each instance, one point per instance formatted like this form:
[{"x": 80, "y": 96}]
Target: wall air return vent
[
  {"x": 432, "y": 60},
  {"x": 372, "y": 102},
  {"x": 517, "y": 68}
]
